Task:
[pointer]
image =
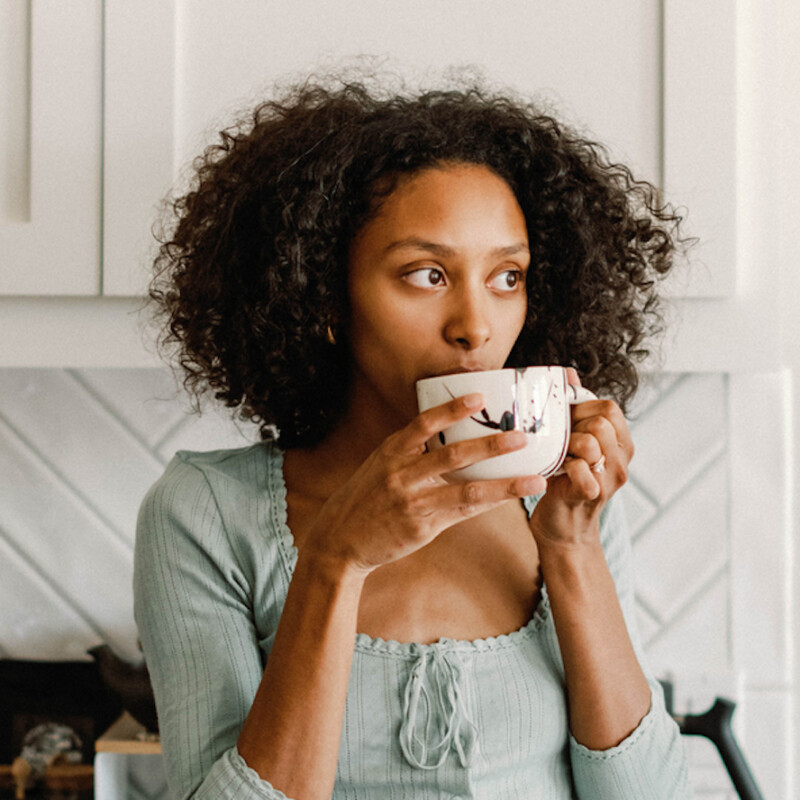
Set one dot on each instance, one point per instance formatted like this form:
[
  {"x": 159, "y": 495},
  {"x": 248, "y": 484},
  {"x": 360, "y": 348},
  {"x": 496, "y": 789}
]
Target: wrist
[
  {"x": 573, "y": 564},
  {"x": 330, "y": 569},
  {"x": 573, "y": 535}
]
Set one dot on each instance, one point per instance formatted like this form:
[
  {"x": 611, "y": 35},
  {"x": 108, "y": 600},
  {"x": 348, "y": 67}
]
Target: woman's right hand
[{"x": 399, "y": 500}]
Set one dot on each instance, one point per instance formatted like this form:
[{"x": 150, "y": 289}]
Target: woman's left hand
[{"x": 600, "y": 449}]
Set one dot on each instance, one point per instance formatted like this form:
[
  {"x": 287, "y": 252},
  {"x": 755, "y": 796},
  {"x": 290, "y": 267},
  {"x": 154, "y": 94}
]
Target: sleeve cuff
[
  {"x": 650, "y": 764},
  {"x": 232, "y": 779}
]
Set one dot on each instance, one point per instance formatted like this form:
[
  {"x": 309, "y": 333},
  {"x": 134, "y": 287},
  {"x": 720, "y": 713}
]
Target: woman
[{"x": 324, "y": 613}]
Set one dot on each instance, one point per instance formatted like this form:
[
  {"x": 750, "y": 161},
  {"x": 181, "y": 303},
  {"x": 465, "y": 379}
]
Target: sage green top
[{"x": 453, "y": 719}]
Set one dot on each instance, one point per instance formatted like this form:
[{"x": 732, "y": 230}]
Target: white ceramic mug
[{"x": 535, "y": 400}]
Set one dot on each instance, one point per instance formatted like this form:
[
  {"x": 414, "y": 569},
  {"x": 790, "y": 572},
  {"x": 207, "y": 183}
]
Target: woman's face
[{"x": 437, "y": 284}]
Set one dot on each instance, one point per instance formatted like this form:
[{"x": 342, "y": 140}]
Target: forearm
[
  {"x": 291, "y": 735},
  {"x": 608, "y": 694}
]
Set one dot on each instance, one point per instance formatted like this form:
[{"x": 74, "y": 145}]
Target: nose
[{"x": 468, "y": 325}]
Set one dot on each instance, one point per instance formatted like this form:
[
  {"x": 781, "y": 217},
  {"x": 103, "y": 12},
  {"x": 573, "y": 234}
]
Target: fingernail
[
  {"x": 473, "y": 400},
  {"x": 516, "y": 438}
]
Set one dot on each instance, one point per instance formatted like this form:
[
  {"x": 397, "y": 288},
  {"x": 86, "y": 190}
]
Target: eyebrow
[{"x": 444, "y": 250}]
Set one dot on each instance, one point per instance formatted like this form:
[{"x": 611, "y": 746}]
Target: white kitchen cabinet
[
  {"x": 50, "y": 147},
  {"x": 662, "y": 84},
  {"x": 177, "y": 71}
]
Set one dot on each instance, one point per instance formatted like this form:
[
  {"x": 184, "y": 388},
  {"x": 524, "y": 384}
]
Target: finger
[
  {"x": 413, "y": 437},
  {"x": 601, "y": 429},
  {"x": 573, "y": 379},
  {"x": 613, "y": 413},
  {"x": 596, "y": 444},
  {"x": 586, "y": 446},
  {"x": 456, "y": 502},
  {"x": 584, "y": 484},
  {"x": 604, "y": 419},
  {"x": 469, "y": 451}
]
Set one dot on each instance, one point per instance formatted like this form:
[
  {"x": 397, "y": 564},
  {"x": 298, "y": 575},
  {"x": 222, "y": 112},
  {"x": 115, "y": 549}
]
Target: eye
[
  {"x": 507, "y": 281},
  {"x": 425, "y": 278}
]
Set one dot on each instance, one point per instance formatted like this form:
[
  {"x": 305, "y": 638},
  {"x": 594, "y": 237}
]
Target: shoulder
[
  {"x": 216, "y": 494},
  {"x": 225, "y": 475},
  {"x": 243, "y": 466}
]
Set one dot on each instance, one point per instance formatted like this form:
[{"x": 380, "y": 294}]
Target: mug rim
[{"x": 489, "y": 372}]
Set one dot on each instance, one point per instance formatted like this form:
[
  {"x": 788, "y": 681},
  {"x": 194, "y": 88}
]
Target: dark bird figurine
[{"x": 130, "y": 683}]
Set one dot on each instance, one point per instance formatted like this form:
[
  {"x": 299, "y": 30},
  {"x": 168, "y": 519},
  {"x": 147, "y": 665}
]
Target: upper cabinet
[
  {"x": 177, "y": 72},
  {"x": 50, "y": 147},
  {"x": 660, "y": 91},
  {"x": 103, "y": 106}
]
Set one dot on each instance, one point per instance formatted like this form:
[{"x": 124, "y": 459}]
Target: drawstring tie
[{"x": 436, "y": 703}]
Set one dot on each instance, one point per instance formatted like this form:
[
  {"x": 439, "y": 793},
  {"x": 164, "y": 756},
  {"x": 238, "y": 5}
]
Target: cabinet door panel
[
  {"x": 50, "y": 224},
  {"x": 227, "y": 56},
  {"x": 138, "y": 121},
  {"x": 700, "y": 109}
]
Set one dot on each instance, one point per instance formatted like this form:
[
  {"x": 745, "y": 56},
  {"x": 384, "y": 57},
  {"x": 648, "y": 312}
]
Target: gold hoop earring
[{"x": 331, "y": 339}]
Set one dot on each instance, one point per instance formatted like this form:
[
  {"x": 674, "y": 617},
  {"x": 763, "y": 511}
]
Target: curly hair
[{"x": 250, "y": 278}]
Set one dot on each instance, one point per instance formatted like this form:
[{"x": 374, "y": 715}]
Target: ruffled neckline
[
  {"x": 375, "y": 644},
  {"x": 412, "y": 650},
  {"x": 279, "y": 508}
]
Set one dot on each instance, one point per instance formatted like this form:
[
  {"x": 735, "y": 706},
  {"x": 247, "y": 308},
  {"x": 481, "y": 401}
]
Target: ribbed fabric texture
[{"x": 482, "y": 719}]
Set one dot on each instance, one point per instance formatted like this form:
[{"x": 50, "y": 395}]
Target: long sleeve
[
  {"x": 650, "y": 764},
  {"x": 193, "y": 607}
]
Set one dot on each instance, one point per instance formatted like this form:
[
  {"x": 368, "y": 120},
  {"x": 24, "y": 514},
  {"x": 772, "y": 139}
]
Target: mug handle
[{"x": 575, "y": 395}]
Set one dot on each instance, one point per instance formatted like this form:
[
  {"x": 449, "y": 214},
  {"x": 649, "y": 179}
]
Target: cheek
[
  {"x": 378, "y": 335},
  {"x": 387, "y": 317}
]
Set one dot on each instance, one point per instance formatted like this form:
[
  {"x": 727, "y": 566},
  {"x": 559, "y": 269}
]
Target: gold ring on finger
[{"x": 599, "y": 466}]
